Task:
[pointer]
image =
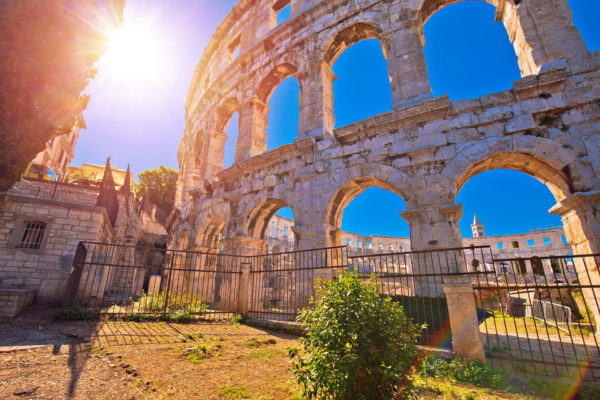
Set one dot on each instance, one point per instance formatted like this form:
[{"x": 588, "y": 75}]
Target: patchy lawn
[{"x": 159, "y": 360}]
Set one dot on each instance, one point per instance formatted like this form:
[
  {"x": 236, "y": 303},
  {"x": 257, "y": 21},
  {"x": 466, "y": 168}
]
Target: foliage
[
  {"x": 73, "y": 313},
  {"x": 158, "y": 186},
  {"x": 460, "y": 370},
  {"x": 48, "y": 49},
  {"x": 238, "y": 319},
  {"x": 358, "y": 344}
]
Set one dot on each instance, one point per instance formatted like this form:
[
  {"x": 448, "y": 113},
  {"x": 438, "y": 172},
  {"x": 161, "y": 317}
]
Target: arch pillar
[
  {"x": 434, "y": 226},
  {"x": 244, "y": 246},
  {"x": 252, "y": 136},
  {"x": 541, "y": 31},
  {"x": 214, "y": 153},
  {"x": 580, "y": 213},
  {"x": 316, "y": 116},
  {"x": 407, "y": 67}
]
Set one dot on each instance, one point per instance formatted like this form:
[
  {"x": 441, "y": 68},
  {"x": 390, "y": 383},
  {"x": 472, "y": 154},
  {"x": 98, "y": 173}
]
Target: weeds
[
  {"x": 474, "y": 373},
  {"x": 201, "y": 352},
  {"x": 73, "y": 313}
]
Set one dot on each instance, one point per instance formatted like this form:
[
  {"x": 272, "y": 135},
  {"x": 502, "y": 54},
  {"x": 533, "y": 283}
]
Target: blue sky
[{"x": 468, "y": 56}]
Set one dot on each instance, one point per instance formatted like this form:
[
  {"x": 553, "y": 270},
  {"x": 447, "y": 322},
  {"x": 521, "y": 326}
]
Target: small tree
[
  {"x": 358, "y": 344},
  {"x": 47, "y": 52},
  {"x": 158, "y": 186}
]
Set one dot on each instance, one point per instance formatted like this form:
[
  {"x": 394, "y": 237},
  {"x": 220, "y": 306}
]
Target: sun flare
[{"x": 136, "y": 53}]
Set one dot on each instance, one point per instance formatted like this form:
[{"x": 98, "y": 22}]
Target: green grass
[
  {"x": 233, "y": 392},
  {"x": 201, "y": 352},
  {"x": 267, "y": 353}
]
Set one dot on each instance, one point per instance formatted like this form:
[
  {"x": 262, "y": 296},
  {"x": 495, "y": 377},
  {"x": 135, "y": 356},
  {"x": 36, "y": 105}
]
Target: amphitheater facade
[{"x": 425, "y": 149}]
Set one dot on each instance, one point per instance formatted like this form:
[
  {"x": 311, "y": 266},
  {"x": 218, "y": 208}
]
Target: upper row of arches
[{"x": 358, "y": 58}]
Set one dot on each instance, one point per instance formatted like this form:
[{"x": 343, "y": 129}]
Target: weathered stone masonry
[{"x": 425, "y": 149}]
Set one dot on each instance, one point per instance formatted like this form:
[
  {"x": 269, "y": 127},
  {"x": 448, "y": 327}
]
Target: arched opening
[
  {"x": 362, "y": 88},
  {"x": 269, "y": 220},
  {"x": 231, "y": 131},
  {"x": 371, "y": 223},
  {"x": 508, "y": 211},
  {"x": 282, "y": 125},
  {"x": 468, "y": 55},
  {"x": 209, "y": 235},
  {"x": 226, "y": 133},
  {"x": 367, "y": 208},
  {"x": 506, "y": 202}
]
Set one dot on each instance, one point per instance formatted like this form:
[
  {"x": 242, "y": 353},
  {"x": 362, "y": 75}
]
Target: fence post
[
  {"x": 244, "y": 294},
  {"x": 75, "y": 277},
  {"x": 466, "y": 340}
]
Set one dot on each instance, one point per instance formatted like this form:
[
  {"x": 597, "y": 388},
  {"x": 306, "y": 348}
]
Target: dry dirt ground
[{"x": 43, "y": 359}]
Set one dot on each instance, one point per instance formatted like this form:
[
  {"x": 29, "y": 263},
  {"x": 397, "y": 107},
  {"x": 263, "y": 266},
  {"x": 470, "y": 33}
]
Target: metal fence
[
  {"x": 537, "y": 319},
  {"x": 131, "y": 282}
]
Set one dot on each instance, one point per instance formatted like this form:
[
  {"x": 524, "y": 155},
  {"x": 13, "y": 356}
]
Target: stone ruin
[{"x": 424, "y": 149}]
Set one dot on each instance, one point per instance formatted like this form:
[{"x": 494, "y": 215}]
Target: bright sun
[{"x": 135, "y": 53}]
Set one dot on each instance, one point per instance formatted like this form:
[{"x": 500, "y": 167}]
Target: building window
[
  {"x": 547, "y": 241},
  {"x": 347, "y": 242},
  {"x": 234, "y": 49},
  {"x": 285, "y": 231},
  {"x": 530, "y": 243},
  {"x": 368, "y": 245},
  {"x": 358, "y": 243},
  {"x": 564, "y": 239},
  {"x": 283, "y": 10},
  {"x": 275, "y": 232},
  {"x": 32, "y": 234},
  {"x": 500, "y": 245},
  {"x": 515, "y": 244},
  {"x": 400, "y": 246}
]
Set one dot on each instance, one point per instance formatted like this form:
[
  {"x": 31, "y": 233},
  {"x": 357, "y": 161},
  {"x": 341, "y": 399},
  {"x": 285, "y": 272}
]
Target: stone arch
[
  {"x": 344, "y": 196},
  {"x": 207, "y": 236},
  {"x": 523, "y": 21},
  {"x": 261, "y": 215},
  {"x": 183, "y": 240},
  {"x": 349, "y": 36},
  {"x": 225, "y": 111},
  {"x": 543, "y": 159},
  {"x": 270, "y": 82}
]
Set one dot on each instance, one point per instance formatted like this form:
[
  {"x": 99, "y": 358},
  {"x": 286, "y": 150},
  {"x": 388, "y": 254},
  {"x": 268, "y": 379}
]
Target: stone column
[
  {"x": 548, "y": 271},
  {"x": 432, "y": 228},
  {"x": 407, "y": 67},
  {"x": 316, "y": 116},
  {"x": 580, "y": 213},
  {"x": 214, "y": 154},
  {"x": 244, "y": 300},
  {"x": 466, "y": 338},
  {"x": 252, "y": 136},
  {"x": 541, "y": 31},
  {"x": 529, "y": 269}
]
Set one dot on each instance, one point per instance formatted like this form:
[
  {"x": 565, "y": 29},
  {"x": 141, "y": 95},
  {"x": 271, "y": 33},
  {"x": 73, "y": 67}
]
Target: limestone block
[{"x": 520, "y": 123}]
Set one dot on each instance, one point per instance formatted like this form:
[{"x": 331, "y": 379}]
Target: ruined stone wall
[
  {"x": 70, "y": 215},
  {"x": 424, "y": 150}
]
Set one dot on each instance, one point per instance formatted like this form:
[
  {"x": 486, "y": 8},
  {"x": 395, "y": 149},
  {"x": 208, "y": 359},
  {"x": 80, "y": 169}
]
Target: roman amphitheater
[{"x": 425, "y": 149}]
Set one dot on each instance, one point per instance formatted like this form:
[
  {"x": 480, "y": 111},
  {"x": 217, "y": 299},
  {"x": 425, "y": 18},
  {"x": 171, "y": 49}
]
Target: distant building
[
  {"x": 541, "y": 242},
  {"x": 477, "y": 227},
  {"x": 52, "y": 163}
]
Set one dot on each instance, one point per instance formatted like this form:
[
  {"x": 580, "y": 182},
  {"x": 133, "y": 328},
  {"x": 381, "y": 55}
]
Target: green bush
[
  {"x": 358, "y": 344},
  {"x": 460, "y": 370}
]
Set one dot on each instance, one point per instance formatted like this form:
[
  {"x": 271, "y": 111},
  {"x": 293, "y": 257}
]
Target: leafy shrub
[
  {"x": 238, "y": 319},
  {"x": 460, "y": 370},
  {"x": 358, "y": 344}
]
